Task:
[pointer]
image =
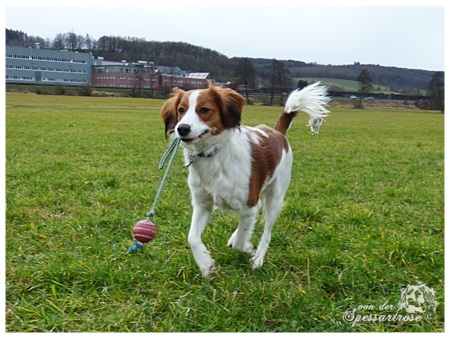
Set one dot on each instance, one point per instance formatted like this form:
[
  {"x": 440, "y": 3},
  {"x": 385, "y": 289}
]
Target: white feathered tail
[{"x": 311, "y": 100}]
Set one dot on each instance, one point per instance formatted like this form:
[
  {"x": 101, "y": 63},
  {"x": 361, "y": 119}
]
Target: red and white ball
[{"x": 144, "y": 231}]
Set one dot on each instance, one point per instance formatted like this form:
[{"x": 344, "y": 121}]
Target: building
[
  {"x": 46, "y": 66},
  {"x": 145, "y": 75},
  {"x": 53, "y": 67},
  {"x": 125, "y": 74},
  {"x": 188, "y": 81}
]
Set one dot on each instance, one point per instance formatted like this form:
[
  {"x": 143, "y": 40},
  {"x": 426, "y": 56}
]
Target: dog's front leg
[{"x": 200, "y": 217}]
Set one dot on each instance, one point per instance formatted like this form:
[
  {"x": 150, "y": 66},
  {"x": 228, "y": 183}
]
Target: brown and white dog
[{"x": 234, "y": 167}]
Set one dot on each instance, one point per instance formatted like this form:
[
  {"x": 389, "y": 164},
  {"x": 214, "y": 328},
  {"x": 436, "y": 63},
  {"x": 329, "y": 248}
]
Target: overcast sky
[{"x": 389, "y": 35}]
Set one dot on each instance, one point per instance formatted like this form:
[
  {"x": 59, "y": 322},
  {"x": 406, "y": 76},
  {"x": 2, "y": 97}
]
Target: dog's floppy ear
[
  {"x": 169, "y": 112},
  {"x": 231, "y": 106}
]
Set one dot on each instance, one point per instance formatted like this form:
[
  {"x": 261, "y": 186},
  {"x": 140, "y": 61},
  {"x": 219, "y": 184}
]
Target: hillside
[
  {"x": 387, "y": 78},
  {"x": 391, "y": 78},
  {"x": 194, "y": 58}
]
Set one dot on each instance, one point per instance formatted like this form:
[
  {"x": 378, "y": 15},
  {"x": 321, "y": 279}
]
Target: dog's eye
[
  {"x": 204, "y": 110},
  {"x": 181, "y": 110}
]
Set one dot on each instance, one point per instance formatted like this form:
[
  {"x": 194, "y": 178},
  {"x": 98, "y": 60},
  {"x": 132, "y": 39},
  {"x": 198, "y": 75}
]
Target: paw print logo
[{"x": 418, "y": 299}]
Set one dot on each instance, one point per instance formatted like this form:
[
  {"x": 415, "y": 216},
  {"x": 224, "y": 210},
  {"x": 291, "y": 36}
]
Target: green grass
[{"x": 363, "y": 218}]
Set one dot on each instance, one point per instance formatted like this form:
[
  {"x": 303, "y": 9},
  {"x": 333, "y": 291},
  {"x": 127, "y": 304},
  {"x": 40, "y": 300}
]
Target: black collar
[{"x": 210, "y": 153}]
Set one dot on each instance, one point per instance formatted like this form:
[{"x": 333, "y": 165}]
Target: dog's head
[{"x": 198, "y": 115}]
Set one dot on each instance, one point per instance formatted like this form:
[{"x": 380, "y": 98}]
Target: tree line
[
  {"x": 116, "y": 48},
  {"x": 253, "y": 74},
  {"x": 436, "y": 91}
]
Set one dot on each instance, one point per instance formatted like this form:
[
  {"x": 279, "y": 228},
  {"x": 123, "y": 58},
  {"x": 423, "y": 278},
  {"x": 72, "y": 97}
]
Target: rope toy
[{"x": 144, "y": 231}]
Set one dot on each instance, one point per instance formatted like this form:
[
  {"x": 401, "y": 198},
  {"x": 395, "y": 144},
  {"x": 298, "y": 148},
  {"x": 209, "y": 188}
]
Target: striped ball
[{"x": 144, "y": 231}]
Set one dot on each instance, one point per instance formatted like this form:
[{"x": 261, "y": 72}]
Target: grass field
[
  {"x": 364, "y": 217},
  {"x": 343, "y": 85}
]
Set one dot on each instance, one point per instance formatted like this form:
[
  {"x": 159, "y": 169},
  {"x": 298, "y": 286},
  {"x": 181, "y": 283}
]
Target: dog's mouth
[{"x": 199, "y": 137}]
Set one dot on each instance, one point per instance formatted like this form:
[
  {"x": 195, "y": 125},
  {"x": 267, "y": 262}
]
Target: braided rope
[
  {"x": 172, "y": 148},
  {"x": 174, "y": 145}
]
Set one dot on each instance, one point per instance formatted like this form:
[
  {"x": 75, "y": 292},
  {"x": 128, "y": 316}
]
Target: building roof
[
  {"x": 112, "y": 63},
  {"x": 175, "y": 71},
  {"x": 202, "y": 76}
]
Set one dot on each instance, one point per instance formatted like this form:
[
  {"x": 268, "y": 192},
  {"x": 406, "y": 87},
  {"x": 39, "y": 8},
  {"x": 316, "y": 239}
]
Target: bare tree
[
  {"x": 283, "y": 80},
  {"x": 279, "y": 79},
  {"x": 59, "y": 41},
  {"x": 245, "y": 74},
  {"x": 273, "y": 77},
  {"x": 365, "y": 87},
  {"x": 436, "y": 90},
  {"x": 71, "y": 41}
]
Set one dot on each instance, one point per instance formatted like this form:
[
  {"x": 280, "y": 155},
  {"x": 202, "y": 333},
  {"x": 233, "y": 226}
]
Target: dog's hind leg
[
  {"x": 273, "y": 203},
  {"x": 272, "y": 208},
  {"x": 240, "y": 240}
]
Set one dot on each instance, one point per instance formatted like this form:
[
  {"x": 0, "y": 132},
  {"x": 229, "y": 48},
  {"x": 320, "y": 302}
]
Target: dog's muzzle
[{"x": 183, "y": 130}]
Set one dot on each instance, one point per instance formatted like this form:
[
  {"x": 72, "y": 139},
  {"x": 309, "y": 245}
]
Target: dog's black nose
[{"x": 184, "y": 129}]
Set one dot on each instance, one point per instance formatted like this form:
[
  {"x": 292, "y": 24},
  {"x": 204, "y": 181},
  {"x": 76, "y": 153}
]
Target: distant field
[
  {"x": 343, "y": 85},
  {"x": 363, "y": 218}
]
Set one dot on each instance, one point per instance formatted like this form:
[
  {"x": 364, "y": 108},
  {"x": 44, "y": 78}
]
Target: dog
[
  {"x": 315, "y": 123},
  {"x": 235, "y": 167}
]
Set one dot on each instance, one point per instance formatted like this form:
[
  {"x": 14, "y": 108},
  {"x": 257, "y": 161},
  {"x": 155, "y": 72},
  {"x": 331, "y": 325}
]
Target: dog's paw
[
  {"x": 248, "y": 249},
  {"x": 232, "y": 239},
  {"x": 207, "y": 268},
  {"x": 257, "y": 261}
]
